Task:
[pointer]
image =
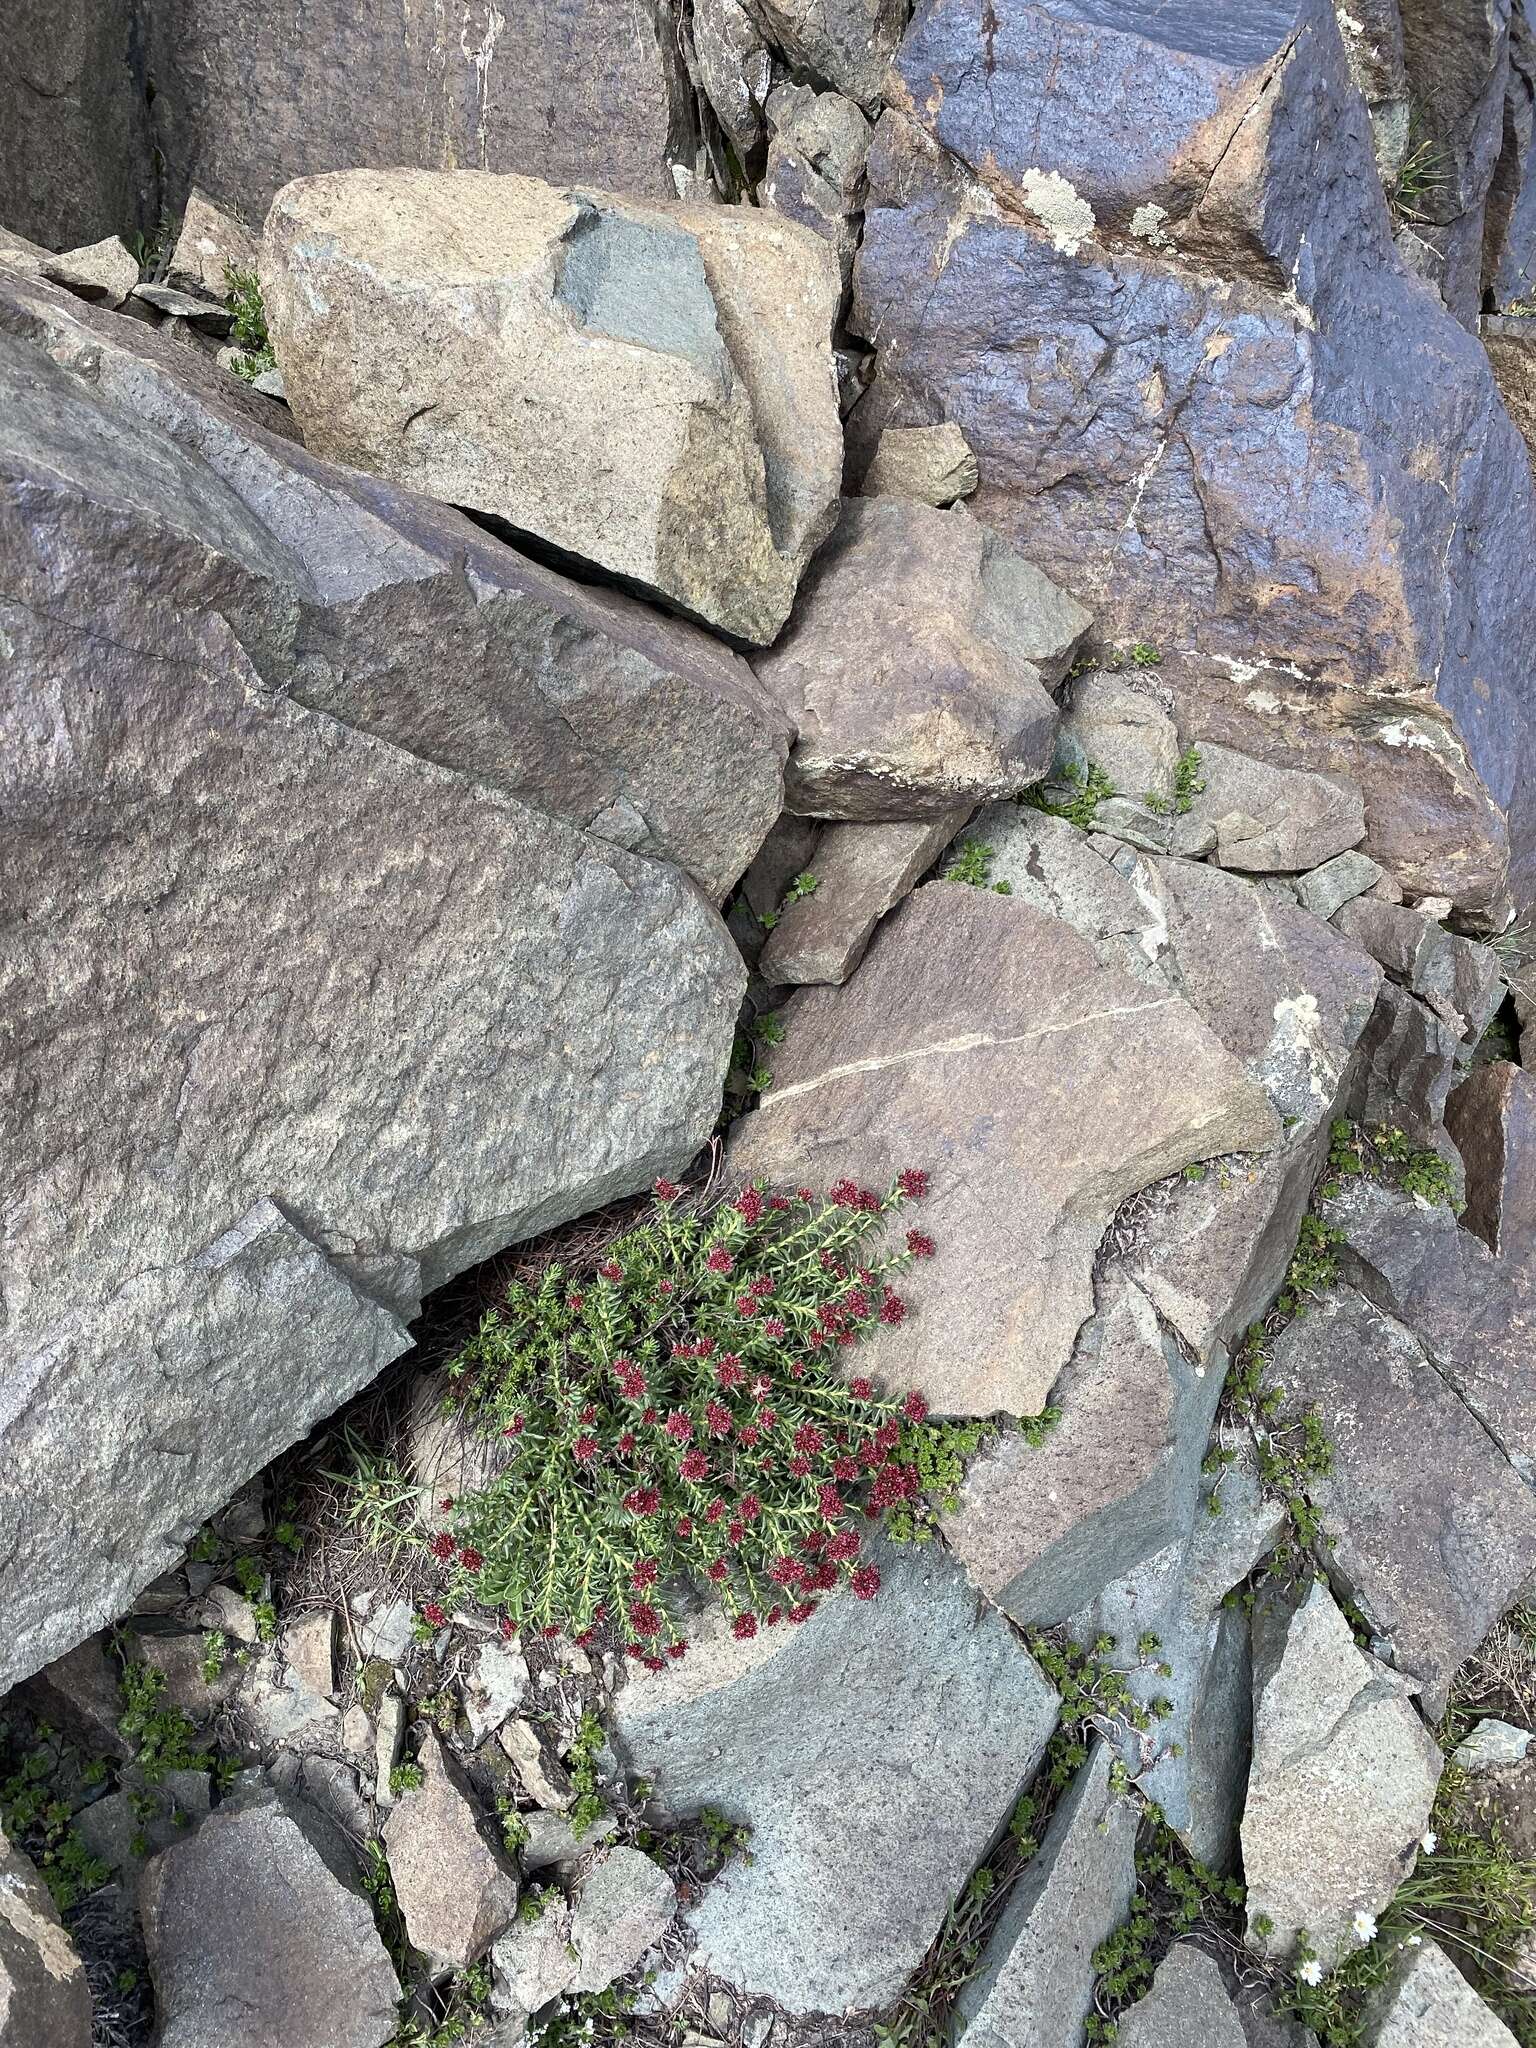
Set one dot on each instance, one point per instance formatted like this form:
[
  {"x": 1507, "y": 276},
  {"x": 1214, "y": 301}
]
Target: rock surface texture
[
  {"x": 648, "y": 389},
  {"x": 45, "y": 2001}
]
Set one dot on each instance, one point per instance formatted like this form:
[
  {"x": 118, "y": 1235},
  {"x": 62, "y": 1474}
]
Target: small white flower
[
  {"x": 1364, "y": 1925},
  {"x": 1430, "y": 1842},
  {"x": 1414, "y": 1941},
  {"x": 1311, "y": 1971}
]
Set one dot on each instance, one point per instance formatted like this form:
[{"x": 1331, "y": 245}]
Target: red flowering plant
[{"x": 686, "y": 1412}]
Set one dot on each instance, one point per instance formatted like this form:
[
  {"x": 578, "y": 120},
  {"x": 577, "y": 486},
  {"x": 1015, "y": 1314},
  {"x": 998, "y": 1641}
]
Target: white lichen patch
[
  {"x": 1059, "y": 207},
  {"x": 1147, "y": 225},
  {"x": 1402, "y": 733},
  {"x": 1297, "y": 1050}
]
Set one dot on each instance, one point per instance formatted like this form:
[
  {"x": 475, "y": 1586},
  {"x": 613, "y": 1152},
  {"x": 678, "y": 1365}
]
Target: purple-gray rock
[
  {"x": 1407, "y": 1060},
  {"x": 861, "y": 871},
  {"x": 1491, "y": 1120},
  {"x": 74, "y": 143},
  {"x": 815, "y": 173},
  {"x": 1457, "y": 62},
  {"x": 849, "y": 43},
  {"x": 1509, "y": 268}
]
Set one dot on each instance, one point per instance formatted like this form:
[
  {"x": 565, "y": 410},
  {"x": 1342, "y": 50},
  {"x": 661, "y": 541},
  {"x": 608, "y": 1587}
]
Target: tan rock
[
  {"x": 45, "y": 2001},
  {"x": 211, "y": 244},
  {"x": 933, "y": 464},
  {"x": 103, "y": 271},
  {"x": 455, "y": 1890},
  {"x": 862, "y": 871}
]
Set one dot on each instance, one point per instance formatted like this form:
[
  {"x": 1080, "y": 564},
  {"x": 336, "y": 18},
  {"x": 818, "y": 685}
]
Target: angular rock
[
  {"x": 80, "y": 1694},
  {"x": 1491, "y": 1120},
  {"x": 1491, "y": 1745},
  {"x": 968, "y": 998},
  {"x": 552, "y": 1842},
  {"x": 253, "y": 1937},
  {"x": 542, "y": 1778},
  {"x": 104, "y": 271},
  {"x": 931, "y": 1707},
  {"x": 735, "y": 69},
  {"x": 1337, "y": 882},
  {"x": 1407, "y": 1062},
  {"x": 1110, "y": 724},
  {"x": 327, "y": 1787},
  {"x": 198, "y": 313},
  {"x": 1509, "y": 254},
  {"x": 209, "y": 245},
  {"x": 493, "y": 1686},
  {"x": 862, "y": 871},
  {"x": 1457, "y": 977},
  {"x": 849, "y": 43},
  {"x": 275, "y": 1706},
  {"x": 1456, "y": 61},
  {"x": 224, "y": 1146},
  {"x": 624, "y": 1903},
  {"x": 18, "y": 254},
  {"x": 309, "y": 1650},
  {"x": 1432, "y": 1530},
  {"x": 1162, "y": 303},
  {"x": 1188, "y": 2006},
  {"x": 45, "y": 2001},
  {"x": 388, "y": 1746},
  {"x": 916, "y": 667},
  {"x": 785, "y": 853},
  {"x": 532, "y": 1962},
  {"x": 815, "y": 171},
  {"x": 1343, "y": 1778},
  {"x": 1426, "y": 2002},
  {"x": 611, "y": 377},
  {"x": 385, "y": 1632},
  {"x": 455, "y": 1891},
  {"x": 74, "y": 147},
  {"x": 932, "y": 464},
  {"x": 1372, "y": 33},
  {"x": 1036, "y": 1976},
  {"x": 1274, "y": 820}
]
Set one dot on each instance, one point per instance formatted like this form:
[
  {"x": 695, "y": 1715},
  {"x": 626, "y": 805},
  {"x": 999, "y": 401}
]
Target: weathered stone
[
  {"x": 1491, "y": 1120},
  {"x": 1274, "y": 820},
  {"x": 532, "y": 1962},
  {"x": 612, "y": 377},
  {"x": 542, "y": 1778},
  {"x": 179, "y": 1655},
  {"x": 1509, "y": 252},
  {"x": 1036, "y": 1976},
  {"x": 931, "y": 1707},
  {"x": 253, "y": 1937},
  {"x": 1407, "y": 1060},
  {"x": 1162, "y": 303},
  {"x": 173, "y": 305},
  {"x": 209, "y": 245},
  {"x": 388, "y": 1745},
  {"x": 1343, "y": 1778},
  {"x": 327, "y": 1786},
  {"x": 1110, "y": 724},
  {"x": 1457, "y": 977},
  {"x": 45, "y": 2001},
  {"x": 274, "y": 1705},
  {"x": 1511, "y": 347},
  {"x": 18, "y": 254},
  {"x": 1337, "y": 882},
  {"x": 785, "y": 853},
  {"x": 1188, "y": 2006},
  {"x": 1426, "y": 2002},
  {"x": 968, "y": 998},
  {"x": 815, "y": 171},
  {"x": 385, "y": 1631},
  {"x": 916, "y": 665},
  {"x": 1372, "y": 33},
  {"x": 1041, "y": 1531},
  {"x": 1490, "y": 1745},
  {"x": 74, "y": 151},
  {"x": 226, "y": 1609},
  {"x": 933, "y": 464},
  {"x": 80, "y": 1693},
  {"x": 225, "y": 1149},
  {"x": 496, "y": 1680},
  {"x": 455, "y": 1891},
  {"x": 309, "y": 1650},
  {"x": 1432, "y": 1530},
  {"x": 624, "y": 1903},
  {"x": 1457, "y": 67},
  {"x": 735, "y": 69},
  {"x": 104, "y": 271},
  {"x": 849, "y": 43},
  {"x": 862, "y": 871}
]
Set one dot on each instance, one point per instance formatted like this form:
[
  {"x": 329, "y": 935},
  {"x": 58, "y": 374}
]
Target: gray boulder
[
  {"x": 917, "y": 666},
  {"x": 256, "y": 1934},
  {"x": 815, "y": 171},
  {"x": 74, "y": 143},
  {"x": 1458, "y": 978},
  {"x": 1342, "y": 1781},
  {"x": 612, "y": 377},
  {"x": 849, "y": 43},
  {"x": 1491, "y": 1120},
  {"x": 1112, "y": 724},
  {"x": 624, "y": 1903},
  {"x": 1270, "y": 820},
  {"x": 45, "y": 2001},
  {"x": 456, "y": 1893},
  {"x": 862, "y": 871},
  {"x": 1188, "y": 2006},
  {"x": 1036, "y": 1976},
  {"x": 1426, "y": 2002},
  {"x": 1337, "y": 882},
  {"x": 933, "y": 464},
  {"x": 104, "y": 271},
  {"x": 968, "y": 998},
  {"x": 876, "y": 1752},
  {"x": 735, "y": 70},
  {"x": 209, "y": 244},
  {"x": 1162, "y": 303}
]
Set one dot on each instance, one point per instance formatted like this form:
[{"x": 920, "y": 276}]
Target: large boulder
[
  {"x": 985, "y": 1043},
  {"x": 647, "y": 388},
  {"x": 74, "y": 142},
  {"x": 876, "y": 1752},
  {"x": 1162, "y": 303},
  {"x": 302, "y": 1023},
  {"x": 45, "y": 2001},
  {"x": 917, "y": 668}
]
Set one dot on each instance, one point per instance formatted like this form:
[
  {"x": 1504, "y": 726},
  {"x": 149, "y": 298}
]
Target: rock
[
  {"x": 1491, "y": 1120},
  {"x": 1457, "y": 68},
  {"x": 1425, "y": 2002},
  {"x": 1457, "y": 977},
  {"x": 1407, "y": 1059},
  {"x": 735, "y": 69},
  {"x": 785, "y": 853},
  {"x": 309, "y": 1650},
  {"x": 274, "y": 1705},
  {"x": 385, "y": 1633},
  {"x": 1337, "y": 882},
  {"x": 45, "y": 2001},
  {"x": 862, "y": 871},
  {"x": 542, "y": 1778},
  {"x": 849, "y": 43},
  {"x": 18, "y": 254},
  {"x": 327, "y": 1787},
  {"x": 1490, "y": 1745},
  {"x": 496, "y": 1681},
  {"x": 455, "y": 1891},
  {"x": 127, "y": 1827},
  {"x": 611, "y": 377},
  {"x": 1162, "y": 303},
  {"x": 1433, "y": 1531},
  {"x": 228, "y": 1611},
  {"x": 301, "y": 1196},
  {"x": 1502, "y": 1805},
  {"x": 80, "y": 1694},
  {"x": 815, "y": 170},
  {"x": 179, "y": 1655},
  {"x": 271, "y": 385},
  {"x": 1343, "y": 1778},
  {"x": 1188, "y": 2006},
  {"x": 104, "y": 271},
  {"x": 624, "y": 1903},
  {"x": 1274, "y": 820},
  {"x": 931, "y": 1707},
  {"x": 1372, "y": 33},
  {"x": 253, "y": 1937},
  {"x": 552, "y": 1843},
  {"x": 532, "y": 1963},
  {"x": 174, "y": 305},
  {"x": 916, "y": 667},
  {"x": 209, "y": 245},
  {"x": 74, "y": 146},
  {"x": 1036, "y": 1977},
  {"x": 1509, "y": 272},
  {"x": 967, "y": 997},
  {"x": 935, "y": 465},
  {"x": 1042, "y": 1530},
  {"x": 389, "y": 1742},
  {"x": 1123, "y": 731}
]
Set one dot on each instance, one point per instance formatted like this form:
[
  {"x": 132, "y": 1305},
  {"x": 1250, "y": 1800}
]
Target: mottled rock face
[
  {"x": 209, "y": 245},
  {"x": 1491, "y": 1119},
  {"x": 933, "y": 464},
  {"x": 456, "y": 1892},
  {"x": 1426, "y": 2002},
  {"x": 849, "y": 43},
  {"x": 915, "y": 667},
  {"x": 74, "y": 147},
  {"x": 1343, "y": 1778},
  {"x": 1258, "y": 456},
  {"x": 1188, "y": 2003},
  {"x": 1457, "y": 65},
  {"x": 861, "y": 872},
  {"x": 972, "y": 1042},
  {"x": 615, "y": 378},
  {"x": 905, "y": 1729},
  {"x": 45, "y": 2001}
]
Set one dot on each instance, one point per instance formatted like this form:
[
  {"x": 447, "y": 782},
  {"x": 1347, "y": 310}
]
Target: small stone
[
  {"x": 387, "y": 1634},
  {"x": 229, "y": 1611},
  {"x": 496, "y": 1681},
  {"x": 1491, "y": 1120},
  {"x": 175, "y": 305},
  {"x": 271, "y": 385},
  {"x": 309, "y": 1650},
  {"x": 1111, "y": 725},
  {"x": 932, "y": 464},
  {"x": 1427, "y": 2003},
  {"x": 552, "y": 1843},
  {"x": 209, "y": 246},
  {"x": 1274, "y": 820},
  {"x": 80, "y": 1693},
  {"x": 1188, "y": 2006},
  {"x": 357, "y": 1733},
  {"x": 1492, "y": 1744},
  {"x": 1329, "y": 887},
  {"x": 276, "y": 1706},
  {"x": 45, "y": 2000},
  {"x": 862, "y": 872},
  {"x": 104, "y": 271},
  {"x": 624, "y": 1903},
  {"x": 532, "y": 1962},
  {"x": 455, "y": 1891},
  {"x": 542, "y": 1778}
]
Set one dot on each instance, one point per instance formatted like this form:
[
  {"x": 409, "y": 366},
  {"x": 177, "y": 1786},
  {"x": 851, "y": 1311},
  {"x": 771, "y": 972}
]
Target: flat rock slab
[
  {"x": 456, "y": 1892},
  {"x": 45, "y": 2001},
  {"x": 617, "y": 378},
  {"x": 876, "y": 1752},
  {"x": 985, "y": 1043},
  {"x": 253, "y": 1938},
  {"x": 1036, "y": 1976},
  {"x": 915, "y": 667},
  {"x": 1123, "y": 731},
  {"x": 1343, "y": 1777},
  {"x": 1427, "y": 2003},
  {"x": 861, "y": 871},
  {"x": 1270, "y": 820},
  {"x": 1491, "y": 1120},
  {"x": 1188, "y": 2006}
]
